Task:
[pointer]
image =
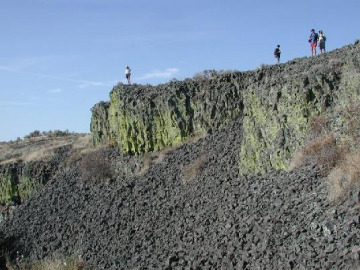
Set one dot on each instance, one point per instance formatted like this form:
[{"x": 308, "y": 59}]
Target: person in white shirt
[
  {"x": 128, "y": 73},
  {"x": 322, "y": 40}
]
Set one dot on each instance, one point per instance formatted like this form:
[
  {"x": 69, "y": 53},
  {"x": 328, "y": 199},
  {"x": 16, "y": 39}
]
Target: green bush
[
  {"x": 27, "y": 187},
  {"x": 35, "y": 133},
  {"x": 8, "y": 190}
]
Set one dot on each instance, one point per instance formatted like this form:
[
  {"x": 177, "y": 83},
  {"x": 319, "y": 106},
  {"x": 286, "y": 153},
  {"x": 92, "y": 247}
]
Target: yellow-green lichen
[
  {"x": 167, "y": 132},
  {"x": 27, "y": 186},
  {"x": 273, "y": 128},
  {"x": 8, "y": 190}
]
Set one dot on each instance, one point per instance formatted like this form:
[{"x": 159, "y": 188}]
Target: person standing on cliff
[
  {"x": 128, "y": 74},
  {"x": 313, "y": 39},
  {"x": 277, "y": 53},
  {"x": 322, "y": 40}
]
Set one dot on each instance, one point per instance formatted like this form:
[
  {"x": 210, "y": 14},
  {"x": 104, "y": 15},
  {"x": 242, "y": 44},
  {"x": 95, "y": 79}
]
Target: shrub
[
  {"x": 321, "y": 149},
  {"x": 51, "y": 134},
  {"x": 57, "y": 133},
  {"x": 337, "y": 152},
  {"x": 27, "y": 187},
  {"x": 8, "y": 190},
  {"x": 35, "y": 133},
  {"x": 324, "y": 153},
  {"x": 96, "y": 165},
  {"x": 205, "y": 75}
]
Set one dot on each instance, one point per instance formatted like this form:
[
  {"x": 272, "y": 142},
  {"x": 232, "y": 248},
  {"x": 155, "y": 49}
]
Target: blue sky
[{"x": 60, "y": 57}]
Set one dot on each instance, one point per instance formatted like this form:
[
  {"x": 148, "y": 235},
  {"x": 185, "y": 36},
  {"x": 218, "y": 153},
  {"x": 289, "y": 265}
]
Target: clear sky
[{"x": 60, "y": 57}]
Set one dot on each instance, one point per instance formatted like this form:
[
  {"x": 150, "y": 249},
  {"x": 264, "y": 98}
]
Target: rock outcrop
[
  {"x": 18, "y": 180},
  {"x": 26, "y": 165},
  {"x": 275, "y": 103}
]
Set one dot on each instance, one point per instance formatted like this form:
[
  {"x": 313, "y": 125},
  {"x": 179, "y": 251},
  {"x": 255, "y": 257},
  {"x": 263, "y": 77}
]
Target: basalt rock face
[
  {"x": 99, "y": 122},
  {"x": 275, "y": 104},
  {"x": 146, "y": 118},
  {"x": 19, "y": 179}
]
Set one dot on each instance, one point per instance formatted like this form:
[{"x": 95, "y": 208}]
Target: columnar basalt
[{"x": 275, "y": 103}]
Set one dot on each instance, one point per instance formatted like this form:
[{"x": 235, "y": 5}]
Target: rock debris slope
[{"x": 180, "y": 216}]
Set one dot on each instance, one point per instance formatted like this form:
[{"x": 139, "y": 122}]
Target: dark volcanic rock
[
  {"x": 172, "y": 217},
  {"x": 275, "y": 101}
]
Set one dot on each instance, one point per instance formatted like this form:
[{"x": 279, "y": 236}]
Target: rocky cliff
[
  {"x": 274, "y": 102},
  {"x": 26, "y": 165},
  {"x": 190, "y": 206}
]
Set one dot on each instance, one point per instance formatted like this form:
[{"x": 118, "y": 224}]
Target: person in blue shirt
[
  {"x": 277, "y": 53},
  {"x": 313, "y": 39}
]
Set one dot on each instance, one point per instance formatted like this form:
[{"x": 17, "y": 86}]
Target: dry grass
[
  {"x": 336, "y": 153},
  {"x": 152, "y": 158},
  {"x": 319, "y": 125},
  {"x": 323, "y": 152},
  {"x": 81, "y": 146},
  {"x": 41, "y": 147},
  {"x": 352, "y": 115},
  {"x": 297, "y": 160},
  {"x": 321, "y": 148},
  {"x": 345, "y": 177},
  {"x": 190, "y": 171},
  {"x": 49, "y": 264},
  {"x": 83, "y": 143}
]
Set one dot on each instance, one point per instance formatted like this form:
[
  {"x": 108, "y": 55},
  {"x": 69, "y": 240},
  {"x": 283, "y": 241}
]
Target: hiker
[
  {"x": 322, "y": 40},
  {"x": 313, "y": 41},
  {"x": 128, "y": 73},
  {"x": 277, "y": 53}
]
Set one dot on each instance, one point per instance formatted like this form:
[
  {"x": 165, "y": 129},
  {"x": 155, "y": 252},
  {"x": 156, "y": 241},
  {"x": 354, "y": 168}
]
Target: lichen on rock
[{"x": 274, "y": 102}]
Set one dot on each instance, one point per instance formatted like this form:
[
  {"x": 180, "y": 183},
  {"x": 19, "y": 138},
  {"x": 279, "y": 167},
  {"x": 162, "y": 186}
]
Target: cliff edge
[{"x": 274, "y": 102}]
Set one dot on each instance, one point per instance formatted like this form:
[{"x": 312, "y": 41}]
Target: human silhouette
[
  {"x": 128, "y": 74},
  {"x": 277, "y": 53}
]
